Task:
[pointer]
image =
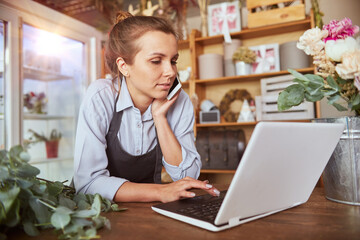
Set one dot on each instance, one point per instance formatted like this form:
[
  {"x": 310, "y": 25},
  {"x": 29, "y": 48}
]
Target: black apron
[{"x": 144, "y": 168}]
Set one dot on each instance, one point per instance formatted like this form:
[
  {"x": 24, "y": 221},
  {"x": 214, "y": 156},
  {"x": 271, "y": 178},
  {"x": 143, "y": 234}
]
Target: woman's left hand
[{"x": 160, "y": 107}]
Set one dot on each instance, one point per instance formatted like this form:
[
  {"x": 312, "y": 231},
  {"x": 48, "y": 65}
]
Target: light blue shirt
[{"x": 137, "y": 136}]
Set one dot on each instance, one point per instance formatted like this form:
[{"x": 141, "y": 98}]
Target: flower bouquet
[
  {"x": 35, "y": 103},
  {"x": 336, "y": 57}
]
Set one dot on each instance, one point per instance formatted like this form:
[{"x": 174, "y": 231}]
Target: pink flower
[{"x": 340, "y": 29}]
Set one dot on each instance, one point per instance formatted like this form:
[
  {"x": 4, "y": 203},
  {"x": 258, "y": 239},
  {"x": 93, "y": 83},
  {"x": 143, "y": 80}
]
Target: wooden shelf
[
  {"x": 34, "y": 116},
  {"x": 185, "y": 84},
  {"x": 226, "y": 124},
  {"x": 49, "y": 160},
  {"x": 217, "y": 171},
  {"x": 252, "y": 77},
  {"x": 183, "y": 44},
  {"x": 32, "y": 73},
  {"x": 250, "y": 124},
  {"x": 259, "y": 32}
]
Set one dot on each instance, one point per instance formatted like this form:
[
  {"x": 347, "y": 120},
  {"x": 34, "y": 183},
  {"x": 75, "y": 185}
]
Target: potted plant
[
  {"x": 51, "y": 142},
  {"x": 243, "y": 57},
  {"x": 337, "y": 60}
]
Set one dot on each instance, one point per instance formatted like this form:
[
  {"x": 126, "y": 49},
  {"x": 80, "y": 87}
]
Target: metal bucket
[{"x": 342, "y": 173}]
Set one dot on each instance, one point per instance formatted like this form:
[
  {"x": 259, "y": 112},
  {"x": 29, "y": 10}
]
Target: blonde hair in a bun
[
  {"x": 122, "y": 15},
  {"x": 127, "y": 29}
]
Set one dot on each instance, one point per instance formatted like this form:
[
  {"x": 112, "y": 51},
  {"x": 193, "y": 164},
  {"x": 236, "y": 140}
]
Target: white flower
[
  {"x": 336, "y": 48},
  {"x": 350, "y": 65},
  {"x": 311, "y": 41}
]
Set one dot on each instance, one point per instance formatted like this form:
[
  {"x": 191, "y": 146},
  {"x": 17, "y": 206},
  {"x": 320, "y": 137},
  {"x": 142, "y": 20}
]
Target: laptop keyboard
[{"x": 206, "y": 209}]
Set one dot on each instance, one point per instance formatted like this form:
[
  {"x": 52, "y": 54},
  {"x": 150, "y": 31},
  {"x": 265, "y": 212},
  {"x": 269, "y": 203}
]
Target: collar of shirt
[{"x": 125, "y": 102}]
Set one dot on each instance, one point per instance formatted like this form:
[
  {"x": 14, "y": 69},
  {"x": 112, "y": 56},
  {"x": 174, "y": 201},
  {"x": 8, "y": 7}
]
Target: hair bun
[{"x": 122, "y": 15}]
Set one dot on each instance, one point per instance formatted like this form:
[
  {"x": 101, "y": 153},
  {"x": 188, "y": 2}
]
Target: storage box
[
  {"x": 266, "y": 105},
  {"x": 262, "y": 12}
]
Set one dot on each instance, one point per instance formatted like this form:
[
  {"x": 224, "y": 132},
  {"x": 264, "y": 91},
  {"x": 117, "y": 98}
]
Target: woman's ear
[{"x": 122, "y": 66}]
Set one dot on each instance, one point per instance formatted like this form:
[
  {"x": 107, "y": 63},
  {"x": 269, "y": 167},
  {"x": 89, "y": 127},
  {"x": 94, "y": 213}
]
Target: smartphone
[{"x": 174, "y": 88}]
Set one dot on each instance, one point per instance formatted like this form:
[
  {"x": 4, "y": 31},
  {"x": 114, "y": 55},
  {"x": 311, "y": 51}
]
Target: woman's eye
[
  {"x": 156, "y": 61},
  {"x": 173, "y": 62}
]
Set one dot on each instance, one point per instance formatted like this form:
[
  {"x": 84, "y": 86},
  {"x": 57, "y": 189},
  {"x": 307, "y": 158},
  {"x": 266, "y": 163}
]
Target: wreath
[{"x": 229, "y": 97}]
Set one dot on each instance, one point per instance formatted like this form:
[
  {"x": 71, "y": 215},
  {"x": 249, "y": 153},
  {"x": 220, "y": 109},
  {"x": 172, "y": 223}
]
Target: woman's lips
[{"x": 164, "y": 86}]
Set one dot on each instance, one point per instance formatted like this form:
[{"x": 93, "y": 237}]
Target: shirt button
[
  {"x": 138, "y": 125},
  {"x": 137, "y": 151}
]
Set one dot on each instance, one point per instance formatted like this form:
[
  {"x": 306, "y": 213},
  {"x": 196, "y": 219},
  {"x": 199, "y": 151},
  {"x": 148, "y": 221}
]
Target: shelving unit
[
  {"x": 46, "y": 122},
  {"x": 215, "y": 88}
]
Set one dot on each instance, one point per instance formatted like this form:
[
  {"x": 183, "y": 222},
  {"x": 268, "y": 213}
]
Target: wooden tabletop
[{"x": 317, "y": 219}]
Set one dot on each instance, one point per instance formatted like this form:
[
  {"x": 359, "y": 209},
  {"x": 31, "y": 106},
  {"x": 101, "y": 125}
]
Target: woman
[{"x": 127, "y": 129}]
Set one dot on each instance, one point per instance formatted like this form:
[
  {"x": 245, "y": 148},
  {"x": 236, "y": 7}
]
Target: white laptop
[{"x": 279, "y": 170}]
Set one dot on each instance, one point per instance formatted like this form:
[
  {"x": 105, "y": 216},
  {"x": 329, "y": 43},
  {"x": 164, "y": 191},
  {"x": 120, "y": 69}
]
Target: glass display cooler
[{"x": 49, "y": 60}]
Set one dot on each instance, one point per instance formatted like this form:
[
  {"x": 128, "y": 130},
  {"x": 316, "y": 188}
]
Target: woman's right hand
[{"x": 176, "y": 190}]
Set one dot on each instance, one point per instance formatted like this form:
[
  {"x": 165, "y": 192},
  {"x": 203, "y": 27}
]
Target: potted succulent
[
  {"x": 243, "y": 57},
  {"x": 51, "y": 142}
]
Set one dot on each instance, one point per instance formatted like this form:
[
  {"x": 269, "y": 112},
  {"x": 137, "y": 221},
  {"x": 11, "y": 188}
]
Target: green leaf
[
  {"x": 356, "y": 101},
  {"x": 60, "y": 219},
  {"x": 3, "y": 156},
  {"x": 82, "y": 204},
  {"x": 332, "y": 83},
  {"x": 55, "y": 188},
  {"x": 64, "y": 210},
  {"x": 328, "y": 92},
  {"x": 96, "y": 206},
  {"x": 116, "y": 208},
  {"x": 26, "y": 171},
  {"x": 333, "y": 99},
  {"x": 91, "y": 233},
  {"x": 23, "y": 183},
  {"x": 25, "y": 156},
  {"x": 315, "y": 79},
  {"x": 15, "y": 151},
  {"x": 30, "y": 229},
  {"x": 4, "y": 173},
  {"x": 298, "y": 75},
  {"x": 66, "y": 202},
  {"x": 291, "y": 96},
  {"x": 316, "y": 96},
  {"x": 339, "y": 107},
  {"x": 41, "y": 211},
  {"x": 8, "y": 198},
  {"x": 39, "y": 188},
  {"x": 85, "y": 213},
  {"x": 13, "y": 216}
]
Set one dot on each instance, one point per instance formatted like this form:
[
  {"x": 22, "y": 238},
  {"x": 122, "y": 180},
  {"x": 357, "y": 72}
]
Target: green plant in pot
[
  {"x": 51, "y": 142},
  {"x": 336, "y": 57},
  {"x": 243, "y": 57}
]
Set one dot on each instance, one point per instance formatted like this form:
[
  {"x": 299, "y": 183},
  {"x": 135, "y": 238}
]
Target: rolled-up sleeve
[
  {"x": 90, "y": 159},
  {"x": 181, "y": 119}
]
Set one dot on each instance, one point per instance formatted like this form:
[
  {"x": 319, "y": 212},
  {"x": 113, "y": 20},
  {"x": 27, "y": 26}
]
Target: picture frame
[{"x": 216, "y": 14}]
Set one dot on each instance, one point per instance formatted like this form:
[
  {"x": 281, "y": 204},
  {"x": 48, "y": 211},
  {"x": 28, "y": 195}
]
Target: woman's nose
[{"x": 170, "y": 70}]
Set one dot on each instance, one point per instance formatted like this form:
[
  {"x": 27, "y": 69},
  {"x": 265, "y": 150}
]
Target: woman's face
[{"x": 154, "y": 67}]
